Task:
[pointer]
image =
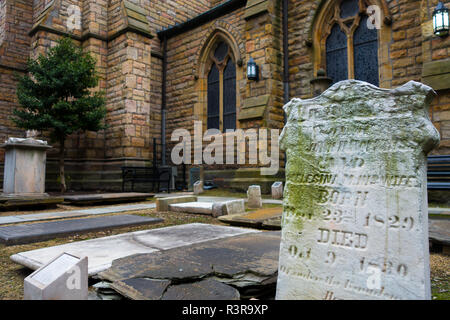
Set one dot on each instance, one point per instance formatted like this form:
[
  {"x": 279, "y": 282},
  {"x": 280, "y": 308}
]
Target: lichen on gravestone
[{"x": 355, "y": 222}]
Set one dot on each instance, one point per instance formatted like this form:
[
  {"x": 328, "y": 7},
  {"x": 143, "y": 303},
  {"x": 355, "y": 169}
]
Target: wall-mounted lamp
[
  {"x": 440, "y": 20},
  {"x": 252, "y": 70}
]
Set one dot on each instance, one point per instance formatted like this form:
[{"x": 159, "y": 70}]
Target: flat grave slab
[
  {"x": 27, "y": 233},
  {"x": 253, "y": 219},
  {"x": 88, "y": 199},
  {"x": 193, "y": 207},
  {"x": 247, "y": 262},
  {"x": 440, "y": 211},
  {"x": 439, "y": 231},
  {"x": 54, "y": 215},
  {"x": 11, "y": 203},
  {"x": 102, "y": 251}
]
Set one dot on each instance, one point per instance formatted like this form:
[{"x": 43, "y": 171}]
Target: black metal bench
[
  {"x": 146, "y": 174},
  {"x": 438, "y": 173}
]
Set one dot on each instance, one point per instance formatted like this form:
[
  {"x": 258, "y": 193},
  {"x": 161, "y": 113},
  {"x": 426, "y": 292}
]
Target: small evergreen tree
[{"x": 55, "y": 96}]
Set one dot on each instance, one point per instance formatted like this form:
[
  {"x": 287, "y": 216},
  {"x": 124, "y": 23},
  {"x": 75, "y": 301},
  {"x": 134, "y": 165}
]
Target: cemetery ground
[{"x": 12, "y": 275}]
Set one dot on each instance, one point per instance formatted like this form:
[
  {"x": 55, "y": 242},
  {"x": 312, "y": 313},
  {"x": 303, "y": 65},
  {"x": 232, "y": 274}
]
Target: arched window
[
  {"x": 351, "y": 48},
  {"x": 221, "y": 111}
]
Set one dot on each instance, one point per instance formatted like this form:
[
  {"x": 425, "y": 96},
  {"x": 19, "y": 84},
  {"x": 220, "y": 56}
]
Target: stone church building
[{"x": 165, "y": 64}]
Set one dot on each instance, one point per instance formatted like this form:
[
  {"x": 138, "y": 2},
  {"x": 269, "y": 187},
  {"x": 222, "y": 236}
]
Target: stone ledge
[
  {"x": 255, "y": 7},
  {"x": 436, "y": 74}
]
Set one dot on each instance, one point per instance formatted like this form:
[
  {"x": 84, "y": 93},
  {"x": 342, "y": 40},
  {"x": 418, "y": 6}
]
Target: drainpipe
[
  {"x": 285, "y": 62},
  {"x": 285, "y": 53},
  {"x": 163, "y": 103}
]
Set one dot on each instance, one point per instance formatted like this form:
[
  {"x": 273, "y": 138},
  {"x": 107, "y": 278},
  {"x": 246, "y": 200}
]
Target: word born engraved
[
  {"x": 342, "y": 238},
  {"x": 335, "y": 197}
]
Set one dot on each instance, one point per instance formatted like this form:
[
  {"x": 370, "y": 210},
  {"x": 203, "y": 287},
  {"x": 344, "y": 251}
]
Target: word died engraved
[{"x": 343, "y": 238}]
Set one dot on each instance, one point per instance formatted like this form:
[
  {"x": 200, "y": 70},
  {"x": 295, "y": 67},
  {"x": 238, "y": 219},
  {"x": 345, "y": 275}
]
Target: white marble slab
[{"x": 102, "y": 251}]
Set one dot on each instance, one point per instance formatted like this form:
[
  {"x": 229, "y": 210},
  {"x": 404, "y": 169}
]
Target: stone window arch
[
  {"x": 221, "y": 97},
  {"x": 348, "y": 46},
  {"x": 218, "y": 79}
]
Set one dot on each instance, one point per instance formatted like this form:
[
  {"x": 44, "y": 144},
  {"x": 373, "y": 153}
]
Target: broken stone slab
[
  {"x": 141, "y": 288},
  {"x": 162, "y": 204},
  {"x": 193, "y": 207},
  {"x": 272, "y": 224},
  {"x": 244, "y": 261},
  {"x": 254, "y": 199},
  {"x": 254, "y": 219},
  {"x": 198, "y": 187},
  {"x": 228, "y": 207},
  {"x": 208, "y": 289},
  {"x": 34, "y": 232},
  {"x": 355, "y": 214},
  {"x": 88, "y": 199},
  {"x": 102, "y": 251},
  {"x": 217, "y": 209},
  {"x": 234, "y": 207},
  {"x": 277, "y": 190},
  {"x": 439, "y": 231}
]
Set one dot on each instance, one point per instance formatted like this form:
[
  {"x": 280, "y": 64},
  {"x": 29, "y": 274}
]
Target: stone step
[
  {"x": 28, "y": 233},
  {"x": 193, "y": 207},
  {"x": 21, "y": 202}
]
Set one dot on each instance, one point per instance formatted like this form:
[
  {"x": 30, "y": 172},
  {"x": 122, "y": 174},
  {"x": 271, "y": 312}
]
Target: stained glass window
[
  {"x": 365, "y": 45},
  {"x": 337, "y": 62},
  {"x": 229, "y": 96},
  {"x": 222, "y": 83},
  {"x": 214, "y": 98},
  {"x": 349, "y": 8},
  {"x": 356, "y": 59}
]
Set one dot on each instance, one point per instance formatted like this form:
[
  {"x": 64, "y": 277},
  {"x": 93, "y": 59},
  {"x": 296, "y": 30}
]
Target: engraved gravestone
[
  {"x": 355, "y": 222},
  {"x": 254, "y": 199},
  {"x": 277, "y": 190},
  {"x": 198, "y": 187}
]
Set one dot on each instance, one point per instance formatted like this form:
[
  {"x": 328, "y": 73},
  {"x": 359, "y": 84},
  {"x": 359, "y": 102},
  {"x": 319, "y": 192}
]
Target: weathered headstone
[
  {"x": 198, "y": 187},
  {"x": 194, "y": 176},
  {"x": 254, "y": 199},
  {"x": 355, "y": 222},
  {"x": 229, "y": 207},
  {"x": 63, "y": 278},
  {"x": 24, "y": 173},
  {"x": 277, "y": 190}
]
